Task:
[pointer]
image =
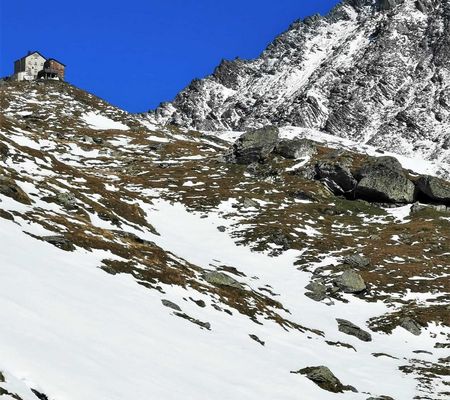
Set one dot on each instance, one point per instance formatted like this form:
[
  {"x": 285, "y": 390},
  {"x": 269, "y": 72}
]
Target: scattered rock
[
  {"x": 170, "y": 304},
  {"x": 67, "y": 200},
  {"x": 59, "y": 241},
  {"x": 9, "y": 188},
  {"x": 317, "y": 291},
  {"x": 434, "y": 189},
  {"x": 249, "y": 203},
  {"x": 411, "y": 326},
  {"x": 257, "y": 339},
  {"x": 350, "y": 282},
  {"x": 279, "y": 238},
  {"x": 221, "y": 279},
  {"x": 2, "y": 378},
  {"x": 200, "y": 303},
  {"x": 383, "y": 180},
  {"x": 356, "y": 261},
  {"x": 39, "y": 395},
  {"x": 295, "y": 148},
  {"x": 221, "y": 228},
  {"x": 201, "y": 324},
  {"x": 325, "y": 379},
  {"x": 254, "y": 145},
  {"x": 380, "y": 398},
  {"x": 351, "y": 329}
]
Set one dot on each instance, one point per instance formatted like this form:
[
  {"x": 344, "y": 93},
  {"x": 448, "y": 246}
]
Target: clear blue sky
[{"x": 137, "y": 53}]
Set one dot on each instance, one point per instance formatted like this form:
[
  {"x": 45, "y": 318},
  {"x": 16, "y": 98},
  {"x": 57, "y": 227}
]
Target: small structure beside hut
[{"x": 35, "y": 66}]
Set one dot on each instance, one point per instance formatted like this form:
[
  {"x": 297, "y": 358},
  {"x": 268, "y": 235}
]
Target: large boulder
[
  {"x": 383, "y": 180},
  {"x": 221, "y": 279},
  {"x": 336, "y": 175},
  {"x": 434, "y": 189},
  {"x": 349, "y": 328},
  {"x": 350, "y": 282},
  {"x": 295, "y": 148},
  {"x": 325, "y": 379},
  {"x": 254, "y": 145}
]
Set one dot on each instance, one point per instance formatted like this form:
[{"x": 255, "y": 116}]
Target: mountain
[
  {"x": 375, "y": 72},
  {"x": 140, "y": 261}
]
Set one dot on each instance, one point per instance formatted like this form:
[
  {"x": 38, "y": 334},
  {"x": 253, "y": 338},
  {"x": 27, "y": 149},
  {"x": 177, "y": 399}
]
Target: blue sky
[{"x": 137, "y": 53}]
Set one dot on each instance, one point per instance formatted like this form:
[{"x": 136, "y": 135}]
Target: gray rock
[
  {"x": 325, "y": 379},
  {"x": 254, "y": 145},
  {"x": 336, "y": 176},
  {"x": 59, "y": 241},
  {"x": 351, "y": 329},
  {"x": 221, "y": 279},
  {"x": 295, "y": 148},
  {"x": 356, "y": 261},
  {"x": 350, "y": 282},
  {"x": 68, "y": 200},
  {"x": 170, "y": 304},
  {"x": 317, "y": 291},
  {"x": 434, "y": 189},
  {"x": 221, "y": 228},
  {"x": 383, "y": 180},
  {"x": 411, "y": 326},
  {"x": 249, "y": 203},
  {"x": 380, "y": 398}
]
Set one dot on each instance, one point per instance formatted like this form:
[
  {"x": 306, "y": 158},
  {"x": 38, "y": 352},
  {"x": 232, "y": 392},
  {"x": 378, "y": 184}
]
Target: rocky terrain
[
  {"x": 375, "y": 72},
  {"x": 142, "y": 261}
]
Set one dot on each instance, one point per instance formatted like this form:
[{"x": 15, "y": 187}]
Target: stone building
[
  {"x": 28, "y": 67},
  {"x": 35, "y": 66}
]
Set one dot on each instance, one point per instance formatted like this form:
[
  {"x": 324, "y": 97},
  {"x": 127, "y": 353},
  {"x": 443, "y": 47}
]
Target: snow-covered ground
[{"x": 74, "y": 332}]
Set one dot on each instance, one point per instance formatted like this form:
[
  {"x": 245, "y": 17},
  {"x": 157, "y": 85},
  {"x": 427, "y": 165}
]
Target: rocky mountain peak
[{"x": 372, "y": 71}]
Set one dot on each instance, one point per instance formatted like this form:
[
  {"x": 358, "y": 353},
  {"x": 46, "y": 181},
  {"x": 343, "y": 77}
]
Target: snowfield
[{"x": 75, "y": 332}]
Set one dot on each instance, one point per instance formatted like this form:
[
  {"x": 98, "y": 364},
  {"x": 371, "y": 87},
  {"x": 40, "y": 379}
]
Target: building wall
[
  {"x": 59, "y": 68},
  {"x": 33, "y": 64}
]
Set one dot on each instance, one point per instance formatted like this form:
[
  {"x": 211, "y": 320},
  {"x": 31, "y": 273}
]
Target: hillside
[
  {"x": 141, "y": 262},
  {"x": 375, "y": 72}
]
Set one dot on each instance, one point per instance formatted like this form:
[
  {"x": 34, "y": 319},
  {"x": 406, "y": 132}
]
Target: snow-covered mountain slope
[
  {"x": 136, "y": 265},
  {"x": 376, "y": 72}
]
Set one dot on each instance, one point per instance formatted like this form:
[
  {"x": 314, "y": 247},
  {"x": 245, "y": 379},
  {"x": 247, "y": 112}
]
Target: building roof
[
  {"x": 30, "y": 53},
  {"x": 59, "y": 62}
]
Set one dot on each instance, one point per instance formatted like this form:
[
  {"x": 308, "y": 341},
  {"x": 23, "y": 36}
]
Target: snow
[
  {"x": 75, "y": 332},
  {"x": 98, "y": 121}
]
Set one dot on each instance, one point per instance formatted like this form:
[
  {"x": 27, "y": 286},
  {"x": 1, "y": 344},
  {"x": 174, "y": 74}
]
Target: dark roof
[
  {"x": 59, "y": 62},
  {"x": 29, "y": 54}
]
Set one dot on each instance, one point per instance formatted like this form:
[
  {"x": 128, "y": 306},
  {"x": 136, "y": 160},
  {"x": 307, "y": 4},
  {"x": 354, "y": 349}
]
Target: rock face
[
  {"x": 324, "y": 378},
  {"x": 350, "y": 282},
  {"x": 336, "y": 176},
  {"x": 411, "y": 326},
  {"x": 255, "y": 145},
  {"x": 351, "y": 329},
  {"x": 221, "y": 279},
  {"x": 344, "y": 74},
  {"x": 384, "y": 180},
  {"x": 295, "y": 148},
  {"x": 434, "y": 189}
]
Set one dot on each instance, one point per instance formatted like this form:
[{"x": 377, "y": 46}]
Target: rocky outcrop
[
  {"x": 353, "y": 330},
  {"x": 411, "y": 326},
  {"x": 434, "y": 189},
  {"x": 295, "y": 148},
  {"x": 9, "y": 188},
  {"x": 384, "y": 180},
  {"x": 325, "y": 379},
  {"x": 336, "y": 176},
  {"x": 254, "y": 145}
]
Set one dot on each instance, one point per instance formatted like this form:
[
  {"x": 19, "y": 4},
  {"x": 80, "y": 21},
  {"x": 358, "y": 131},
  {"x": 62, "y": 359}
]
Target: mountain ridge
[{"x": 373, "y": 72}]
